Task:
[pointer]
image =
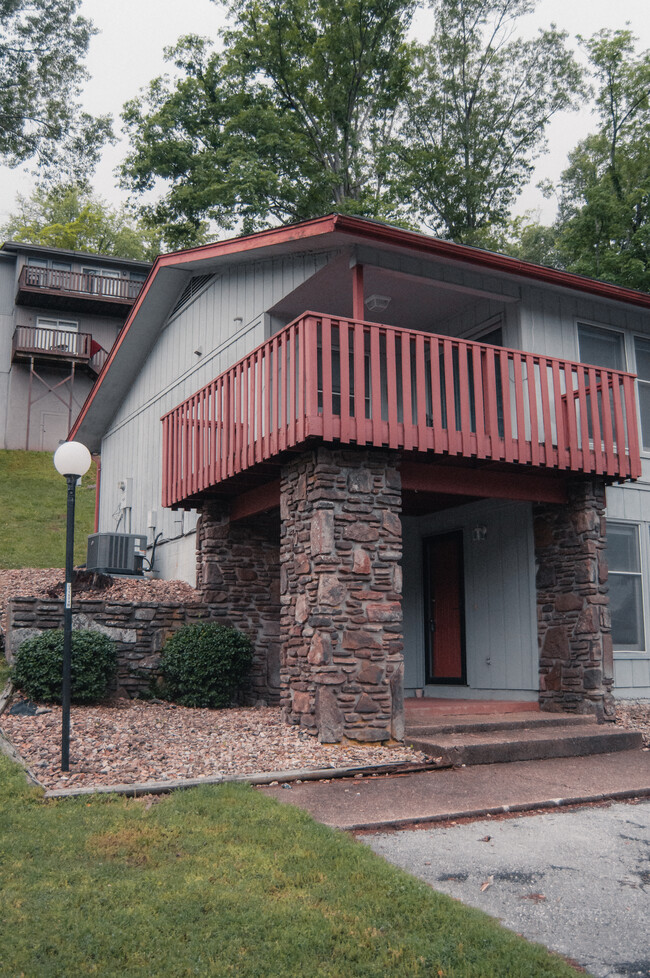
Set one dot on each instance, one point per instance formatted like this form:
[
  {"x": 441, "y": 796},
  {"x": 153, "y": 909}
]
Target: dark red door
[{"x": 444, "y": 608}]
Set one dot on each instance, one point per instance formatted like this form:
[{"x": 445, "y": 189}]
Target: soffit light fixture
[{"x": 377, "y": 302}]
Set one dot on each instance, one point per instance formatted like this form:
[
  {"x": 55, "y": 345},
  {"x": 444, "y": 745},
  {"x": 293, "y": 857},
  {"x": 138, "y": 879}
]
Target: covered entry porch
[{"x": 412, "y": 486}]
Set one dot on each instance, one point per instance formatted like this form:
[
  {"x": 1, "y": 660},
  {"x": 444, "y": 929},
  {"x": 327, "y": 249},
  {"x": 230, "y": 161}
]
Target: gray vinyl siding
[
  {"x": 225, "y": 321},
  {"x": 499, "y": 576}
]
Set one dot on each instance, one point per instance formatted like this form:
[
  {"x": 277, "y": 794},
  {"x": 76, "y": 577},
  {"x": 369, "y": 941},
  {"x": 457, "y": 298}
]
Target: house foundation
[
  {"x": 238, "y": 578},
  {"x": 574, "y": 626},
  {"x": 341, "y": 583}
]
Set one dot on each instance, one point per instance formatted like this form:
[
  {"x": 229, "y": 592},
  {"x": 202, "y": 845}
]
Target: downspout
[{"x": 97, "y": 484}]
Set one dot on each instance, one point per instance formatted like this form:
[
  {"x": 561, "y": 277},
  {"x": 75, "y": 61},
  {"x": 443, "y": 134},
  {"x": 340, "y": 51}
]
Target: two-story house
[
  {"x": 60, "y": 312},
  {"x": 388, "y": 457}
]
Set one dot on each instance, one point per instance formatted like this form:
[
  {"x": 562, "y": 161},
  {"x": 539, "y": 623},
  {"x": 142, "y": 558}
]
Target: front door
[{"x": 444, "y": 609}]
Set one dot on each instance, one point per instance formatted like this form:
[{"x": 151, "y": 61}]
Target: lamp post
[{"x": 72, "y": 460}]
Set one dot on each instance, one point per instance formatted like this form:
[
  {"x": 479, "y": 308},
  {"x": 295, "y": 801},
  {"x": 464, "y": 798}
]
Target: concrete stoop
[{"x": 517, "y": 737}]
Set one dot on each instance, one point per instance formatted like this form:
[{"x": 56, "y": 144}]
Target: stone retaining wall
[
  {"x": 574, "y": 625},
  {"x": 138, "y": 630}
]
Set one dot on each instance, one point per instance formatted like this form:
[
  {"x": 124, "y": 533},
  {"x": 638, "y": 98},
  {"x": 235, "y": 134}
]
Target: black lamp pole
[{"x": 67, "y": 626}]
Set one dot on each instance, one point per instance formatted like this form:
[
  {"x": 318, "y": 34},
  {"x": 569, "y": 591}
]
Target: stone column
[
  {"x": 238, "y": 578},
  {"x": 341, "y": 583},
  {"x": 574, "y": 627}
]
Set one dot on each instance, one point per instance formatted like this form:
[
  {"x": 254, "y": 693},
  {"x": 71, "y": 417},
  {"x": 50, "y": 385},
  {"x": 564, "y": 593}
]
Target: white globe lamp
[{"x": 72, "y": 458}]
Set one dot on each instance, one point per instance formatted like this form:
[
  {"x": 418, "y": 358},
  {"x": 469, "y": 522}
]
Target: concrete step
[
  {"x": 446, "y": 724},
  {"x": 501, "y": 746}
]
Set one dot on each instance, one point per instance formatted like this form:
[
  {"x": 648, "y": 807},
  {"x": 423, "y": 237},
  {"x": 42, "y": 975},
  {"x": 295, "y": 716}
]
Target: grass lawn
[
  {"x": 223, "y": 881},
  {"x": 33, "y": 499}
]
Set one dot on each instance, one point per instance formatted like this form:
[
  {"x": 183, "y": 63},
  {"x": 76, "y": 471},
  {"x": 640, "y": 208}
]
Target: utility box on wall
[{"x": 116, "y": 553}]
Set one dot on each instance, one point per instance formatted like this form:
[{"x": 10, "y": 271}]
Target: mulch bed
[{"x": 134, "y": 741}]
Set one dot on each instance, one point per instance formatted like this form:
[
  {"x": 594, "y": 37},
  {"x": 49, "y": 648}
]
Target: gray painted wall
[{"x": 499, "y": 574}]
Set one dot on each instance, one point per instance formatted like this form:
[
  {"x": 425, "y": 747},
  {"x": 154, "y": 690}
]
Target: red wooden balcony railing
[
  {"x": 367, "y": 384},
  {"x": 33, "y": 277}
]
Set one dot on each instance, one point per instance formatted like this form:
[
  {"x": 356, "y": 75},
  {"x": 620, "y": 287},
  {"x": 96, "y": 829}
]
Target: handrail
[
  {"x": 59, "y": 342},
  {"x": 367, "y": 384},
  {"x": 91, "y": 284}
]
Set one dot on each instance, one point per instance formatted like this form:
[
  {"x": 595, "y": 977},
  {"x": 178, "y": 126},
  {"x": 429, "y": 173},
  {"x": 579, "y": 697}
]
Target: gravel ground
[
  {"x": 135, "y": 741},
  {"x": 635, "y": 715}
]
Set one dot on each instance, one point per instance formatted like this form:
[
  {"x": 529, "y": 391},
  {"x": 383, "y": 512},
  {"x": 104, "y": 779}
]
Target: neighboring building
[
  {"x": 393, "y": 444},
  {"x": 60, "y": 312}
]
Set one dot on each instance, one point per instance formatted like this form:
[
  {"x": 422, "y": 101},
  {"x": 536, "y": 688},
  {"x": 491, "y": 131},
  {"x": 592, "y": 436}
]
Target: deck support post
[
  {"x": 573, "y": 617},
  {"x": 341, "y": 594}
]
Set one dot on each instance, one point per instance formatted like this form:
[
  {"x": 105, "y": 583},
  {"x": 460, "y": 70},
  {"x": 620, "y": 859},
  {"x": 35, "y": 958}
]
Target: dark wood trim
[
  {"x": 255, "y": 501},
  {"x": 482, "y": 482}
]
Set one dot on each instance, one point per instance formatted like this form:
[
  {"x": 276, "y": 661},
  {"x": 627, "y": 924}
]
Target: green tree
[
  {"x": 72, "y": 217},
  {"x": 603, "y": 225},
  {"x": 42, "y": 47},
  {"x": 476, "y": 118},
  {"x": 293, "y": 120}
]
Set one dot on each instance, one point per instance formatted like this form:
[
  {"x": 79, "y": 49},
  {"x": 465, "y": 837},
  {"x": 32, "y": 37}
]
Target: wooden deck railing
[
  {"x": 56, "y": 342},
  {"x": 62, "y": 344},
  {"x": 367, "y": 384},
  {"x": 32, "y": 277}
]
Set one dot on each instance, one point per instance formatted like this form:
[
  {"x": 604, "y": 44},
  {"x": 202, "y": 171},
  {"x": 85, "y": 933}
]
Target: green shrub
[
  {"x": 205, "y": 664},
  {"x": 38, "y": 668}
]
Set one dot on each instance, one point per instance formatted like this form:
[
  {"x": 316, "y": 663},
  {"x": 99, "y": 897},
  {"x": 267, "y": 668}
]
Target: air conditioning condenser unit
[{"x": 116, "y": 553}]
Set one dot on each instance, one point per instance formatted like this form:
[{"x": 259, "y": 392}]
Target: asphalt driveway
[{"x": 577, "y": 881}]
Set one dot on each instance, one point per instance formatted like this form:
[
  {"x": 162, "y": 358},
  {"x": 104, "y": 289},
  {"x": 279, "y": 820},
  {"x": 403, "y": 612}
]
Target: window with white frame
[
  {"x": 105, "y": 281},
  {"x": 57, "y": 334},
  {"x": 625, "y": 587},
  {"x": 602, "y": 347}
]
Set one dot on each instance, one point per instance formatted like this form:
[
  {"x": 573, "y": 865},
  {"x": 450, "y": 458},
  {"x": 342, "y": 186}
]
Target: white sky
[{"x": 128, "y": 53}]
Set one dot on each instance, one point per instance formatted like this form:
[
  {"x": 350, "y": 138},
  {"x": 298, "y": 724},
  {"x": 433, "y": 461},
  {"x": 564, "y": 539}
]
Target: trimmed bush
[
  {"x": 38, "y": 668},
  {"x": 205, "y": 664}
]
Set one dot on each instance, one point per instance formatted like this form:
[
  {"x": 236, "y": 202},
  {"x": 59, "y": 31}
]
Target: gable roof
[{"x": 171, "y": 271}]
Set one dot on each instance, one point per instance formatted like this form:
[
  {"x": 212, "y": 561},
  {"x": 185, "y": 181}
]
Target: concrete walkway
[
  {"x": 394, "y": 801},
  {"x": 576, "y": 881}
]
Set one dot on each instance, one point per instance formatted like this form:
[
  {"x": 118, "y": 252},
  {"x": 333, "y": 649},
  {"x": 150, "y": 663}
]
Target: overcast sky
[{"x": 128, "y": 52}]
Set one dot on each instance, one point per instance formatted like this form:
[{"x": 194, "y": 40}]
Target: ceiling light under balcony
[{"x": 375, "y": 301}]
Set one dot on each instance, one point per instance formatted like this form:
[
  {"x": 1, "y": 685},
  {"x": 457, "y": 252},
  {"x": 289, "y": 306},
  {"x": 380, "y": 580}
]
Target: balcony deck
[
  {"x": 57, "y": 346},
  {"x": 364, "y": 384},
  {"x": 75, "y": 291}
]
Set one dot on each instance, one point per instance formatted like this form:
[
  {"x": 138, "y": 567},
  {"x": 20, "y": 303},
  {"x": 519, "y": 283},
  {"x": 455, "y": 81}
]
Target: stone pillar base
[
  {"x": 341, "y": 583},
  {"x": 574, "y": 627}
]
